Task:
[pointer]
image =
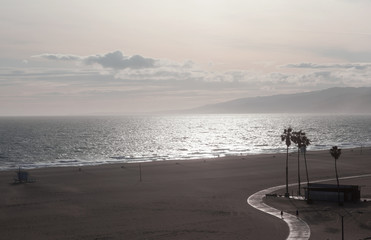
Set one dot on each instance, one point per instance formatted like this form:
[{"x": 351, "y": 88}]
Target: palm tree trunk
[
  {"x": 306, "y": 171},
  {"x": 337, "y": 180},
  {"x": 299, "y": 192},
  {"x": 287, "y": 173}
]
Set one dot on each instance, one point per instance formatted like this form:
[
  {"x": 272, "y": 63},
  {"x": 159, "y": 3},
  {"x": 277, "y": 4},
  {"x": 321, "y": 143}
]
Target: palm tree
[
  {"x": 296, "y": 138},
  {"x": 305, "y": 143},
  {"x": 286, "y": 136},
  {"x": 301, "y": 140},
  {"x": 335, "y": 153}
]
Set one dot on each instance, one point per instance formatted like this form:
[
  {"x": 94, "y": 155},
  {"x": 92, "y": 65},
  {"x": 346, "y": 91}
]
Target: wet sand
[{"x": 195, "y": 199}]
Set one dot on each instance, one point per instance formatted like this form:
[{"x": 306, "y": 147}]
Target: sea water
[{"x": 31, "y": 142}]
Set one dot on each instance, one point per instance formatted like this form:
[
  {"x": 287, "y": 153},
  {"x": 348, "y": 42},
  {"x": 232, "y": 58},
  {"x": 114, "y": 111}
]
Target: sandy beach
[{"x": 195, "y": 199}]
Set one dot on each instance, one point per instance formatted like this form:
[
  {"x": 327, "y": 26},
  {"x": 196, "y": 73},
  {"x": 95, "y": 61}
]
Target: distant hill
[{"x": 332, "y": 100}]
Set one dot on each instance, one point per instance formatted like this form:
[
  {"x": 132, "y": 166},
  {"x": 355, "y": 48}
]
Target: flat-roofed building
[{"x": 329, "y": 192}]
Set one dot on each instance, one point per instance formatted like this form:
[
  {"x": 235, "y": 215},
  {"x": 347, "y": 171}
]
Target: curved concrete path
[{"x": 298, "y": 228}]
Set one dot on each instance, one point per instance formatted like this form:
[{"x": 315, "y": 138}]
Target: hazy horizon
[{"x": 134, "y": 57}]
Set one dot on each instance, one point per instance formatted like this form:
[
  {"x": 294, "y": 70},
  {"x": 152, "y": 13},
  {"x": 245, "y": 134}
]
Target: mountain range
[{"x": 329, "y": 101}]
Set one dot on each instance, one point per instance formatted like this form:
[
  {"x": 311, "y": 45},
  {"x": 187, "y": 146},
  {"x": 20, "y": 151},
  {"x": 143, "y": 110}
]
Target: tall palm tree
[
  {"x": 305, "y": 143},
  {"x": 296, "y": 138},
  {"x": 286, "y": 136},
  {"x": 335, "y": 153},
  {"x": 301, "y": 140}
]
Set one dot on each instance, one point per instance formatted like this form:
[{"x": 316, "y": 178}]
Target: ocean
[{"x": 34, "y": 142}]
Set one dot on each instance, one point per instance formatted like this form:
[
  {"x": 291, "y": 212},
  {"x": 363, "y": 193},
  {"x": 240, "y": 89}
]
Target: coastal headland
[{"x": 191, "y": 199}]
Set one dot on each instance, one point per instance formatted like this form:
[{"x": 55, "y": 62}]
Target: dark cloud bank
[{"x": 114, "y": 60}]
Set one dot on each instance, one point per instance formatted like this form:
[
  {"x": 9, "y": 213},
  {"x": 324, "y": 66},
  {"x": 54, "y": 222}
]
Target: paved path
[{"x": 298, "y": 228}]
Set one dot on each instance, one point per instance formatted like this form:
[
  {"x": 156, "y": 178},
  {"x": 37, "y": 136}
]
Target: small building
[{"x": 329, "y": 192}]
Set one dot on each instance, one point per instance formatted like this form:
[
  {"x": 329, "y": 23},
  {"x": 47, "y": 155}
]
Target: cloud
[
  {"x": 357, "y": 66},
  {"x": 140, "y": 76},
  {"x": 58, "y": 57},
  {"x": 114, "y": 60},
  {"x": 168, "y": 85}
]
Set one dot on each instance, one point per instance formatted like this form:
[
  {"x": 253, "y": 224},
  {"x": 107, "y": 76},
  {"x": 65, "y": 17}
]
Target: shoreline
[
  {"x": 360, "y": 149},
  {"x": 193, "y": 199}
]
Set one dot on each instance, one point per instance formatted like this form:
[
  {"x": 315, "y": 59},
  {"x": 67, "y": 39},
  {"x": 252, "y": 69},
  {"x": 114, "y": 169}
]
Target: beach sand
[{"x": 195, "y": 199}]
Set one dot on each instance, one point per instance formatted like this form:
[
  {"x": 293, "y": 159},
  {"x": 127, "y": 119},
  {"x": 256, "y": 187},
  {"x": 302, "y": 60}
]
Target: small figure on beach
[
  {"x": 281, "y": 214},
  {"x": 297, "y": 213}
]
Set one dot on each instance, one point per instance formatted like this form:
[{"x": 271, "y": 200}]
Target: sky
[{"x": 129, "y": 57}]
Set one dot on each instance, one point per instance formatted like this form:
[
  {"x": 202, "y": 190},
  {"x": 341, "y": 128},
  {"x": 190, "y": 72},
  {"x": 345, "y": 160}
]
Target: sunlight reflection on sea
[{"x": 74, "y": 141}]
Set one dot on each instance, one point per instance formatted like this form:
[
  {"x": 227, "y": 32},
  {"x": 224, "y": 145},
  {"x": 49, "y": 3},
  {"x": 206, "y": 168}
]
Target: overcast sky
[{"x": 120, "y": 56}]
